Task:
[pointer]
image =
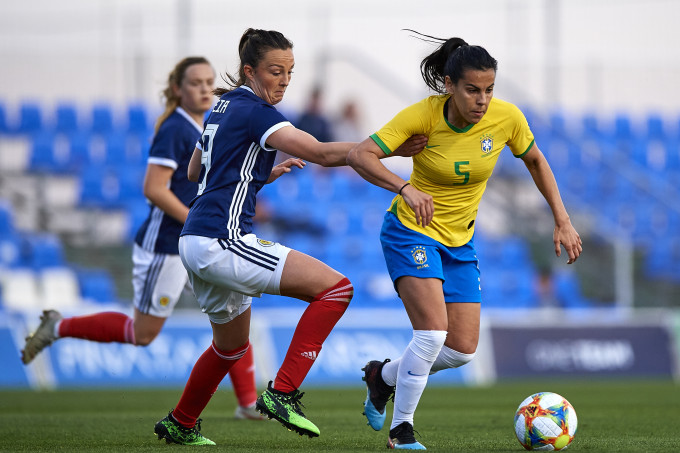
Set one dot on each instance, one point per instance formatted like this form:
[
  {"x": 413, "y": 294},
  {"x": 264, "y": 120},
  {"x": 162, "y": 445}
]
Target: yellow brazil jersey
[{"x": 456, "y": 163}]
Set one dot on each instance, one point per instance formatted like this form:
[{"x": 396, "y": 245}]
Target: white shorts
[
  {"x": 158, "y": 280},
  {"x": 227, "y": 274}
]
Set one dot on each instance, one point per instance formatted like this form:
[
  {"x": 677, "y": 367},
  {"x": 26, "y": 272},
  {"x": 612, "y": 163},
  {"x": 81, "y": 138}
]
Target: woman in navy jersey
[
  {"x": 158, "y": 274},
  {"x": 228, "y": 264}
]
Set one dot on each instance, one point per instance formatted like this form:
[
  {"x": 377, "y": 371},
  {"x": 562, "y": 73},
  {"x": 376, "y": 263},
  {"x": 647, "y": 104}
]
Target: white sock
[
  {"x": 450, "y": 358},
  {"x": 56, "y": 329},
  {"x": 447, "y": 358},
  {"x": 414, "y": 368},
  {"x": 389, "y": 372}
]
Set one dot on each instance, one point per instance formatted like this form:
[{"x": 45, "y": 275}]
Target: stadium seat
[
  {"x": 137, "y": 211},
  {"x": 44, "y": 251},
  {"x": 20, "y": 289},
  {"x": 4, "y": 125},
  {"x": 49, "y": 153},
  {"x": 558, "y": 124},
  {"x": 99, "y": 187},
  {"x": 623, "y": 128},
  {"x": 79, "y": 151},
  {"x": 138, "y": 119},
  {"x": 590, "y": 128},
  {"x": 30, "y": 118},
  {"x": 66, "y": 118},
  {"x": 655, "y": 127},
  {"x": 6, "y": 218},
  {"x": 10, "y": 251},
  {"x": 59, "y": 288},
  {"x": 568, "y": 289},
  {"x": 96, "y": 286},
  {"x": 131, "y": 182},
  {"x": 102, "y": 119}
]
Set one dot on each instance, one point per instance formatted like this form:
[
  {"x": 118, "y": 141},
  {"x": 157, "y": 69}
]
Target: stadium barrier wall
[{"x": 508, "y": 350}]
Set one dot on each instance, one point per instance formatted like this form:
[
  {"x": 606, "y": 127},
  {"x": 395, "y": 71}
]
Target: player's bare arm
[{"x": 564, "y": 233}]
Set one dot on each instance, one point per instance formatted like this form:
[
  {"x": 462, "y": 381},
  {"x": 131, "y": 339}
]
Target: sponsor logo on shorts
[
  {"x": 164, "y": 301},
  {"x": 265, "y": 243}
]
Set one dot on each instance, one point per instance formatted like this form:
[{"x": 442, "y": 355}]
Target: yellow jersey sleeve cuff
[
  {"x": 527, "y": 150},
  {"x": 381, "y": 144}
]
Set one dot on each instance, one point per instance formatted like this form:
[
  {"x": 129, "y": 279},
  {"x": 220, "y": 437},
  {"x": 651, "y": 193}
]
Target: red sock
[
  {"x": 312, "y": 330},
  {"x": 104, "y": 327},
  {"x": 242, "y": 376},
  {"x": 207, "y": 374}
]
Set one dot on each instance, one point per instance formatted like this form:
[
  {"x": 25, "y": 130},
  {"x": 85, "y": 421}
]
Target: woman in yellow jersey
[{"x": 427, "y": 234}]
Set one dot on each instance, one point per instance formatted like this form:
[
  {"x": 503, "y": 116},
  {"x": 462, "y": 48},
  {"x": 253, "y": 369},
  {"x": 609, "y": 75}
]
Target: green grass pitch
[{"x": 623, "y": 415}]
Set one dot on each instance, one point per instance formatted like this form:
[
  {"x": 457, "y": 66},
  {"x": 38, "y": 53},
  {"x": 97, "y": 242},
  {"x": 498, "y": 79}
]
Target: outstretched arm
[
  {"x": 564, "y": 233},
  {"x": 300, "y": 144}
]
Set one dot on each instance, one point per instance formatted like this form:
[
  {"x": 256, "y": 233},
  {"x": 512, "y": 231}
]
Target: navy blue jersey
[
  {"x": 236, "y": 164},
  {"x": 172, "y": 147}
]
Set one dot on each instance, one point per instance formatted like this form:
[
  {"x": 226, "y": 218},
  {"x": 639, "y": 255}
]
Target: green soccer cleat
[
  {"x": 174, "y": 433},
  {"x": 42, "y": 337},
  {"x": 285, "y": 407}
]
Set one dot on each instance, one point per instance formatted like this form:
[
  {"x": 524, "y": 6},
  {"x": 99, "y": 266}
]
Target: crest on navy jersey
[{"x": 486, "y": 142}]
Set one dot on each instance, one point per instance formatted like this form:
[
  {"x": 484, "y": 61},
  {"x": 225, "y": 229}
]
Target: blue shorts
[{"x": 408, "y": 252}]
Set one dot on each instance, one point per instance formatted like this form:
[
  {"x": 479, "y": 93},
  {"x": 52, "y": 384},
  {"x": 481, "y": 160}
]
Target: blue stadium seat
[
  {"x": 655, "y": 127},
  {"x": 590, "y": 127},
  {"x": 623, "y": 128},
  {"x": 102, "y": 119},
  {"x": 6, "y": 218},
  {"x": 137, "y": 211},
  {"x": 138, "y": 120},
  {"x": 568, "y": 290},
  {"x": 45, "y": 251},
  {"x": 10, "y": 243},
  {"x": 4, "y": 126},
  {"x": 10, "y": 251},
  {"x": 30, "y": 118},
  {"x": 49, "y": 153},
  {"x": 96, "y": 285},
  {"x": 42, "y": 153},
  {"x": 558, "y": 124},
  {"x": 99, "y": 187},
  {"x": 79, "y": 151},
  {"x": 131, "y": 182},
  {"x": 66, "y": 118},
  {"x": 517, "y": 288}
]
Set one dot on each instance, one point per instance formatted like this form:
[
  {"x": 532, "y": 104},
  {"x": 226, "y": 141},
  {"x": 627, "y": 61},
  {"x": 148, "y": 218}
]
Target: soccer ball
[{"x": 545, "y": 421}]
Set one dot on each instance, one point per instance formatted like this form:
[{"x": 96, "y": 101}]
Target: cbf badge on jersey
[
  {"x": 419, "y": 257},
  {"x": 486, "y": 142}
]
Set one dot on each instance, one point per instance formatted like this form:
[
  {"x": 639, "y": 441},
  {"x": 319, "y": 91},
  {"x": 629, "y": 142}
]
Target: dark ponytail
[
  {"x": 452, "y": 58},
  {"x": 253, "y": 45}
]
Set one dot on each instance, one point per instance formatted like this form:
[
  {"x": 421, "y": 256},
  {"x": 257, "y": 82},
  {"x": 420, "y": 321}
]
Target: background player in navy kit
[
  {"x": 227, "y": 264},
  {"x": 158, "y": 274}
]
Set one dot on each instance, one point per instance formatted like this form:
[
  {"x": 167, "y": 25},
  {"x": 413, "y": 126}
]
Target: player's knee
[
  {"x": 342, "y": 292},
  {"x": 457, "y": 359},
  {"x": 426, "y": 344}
]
